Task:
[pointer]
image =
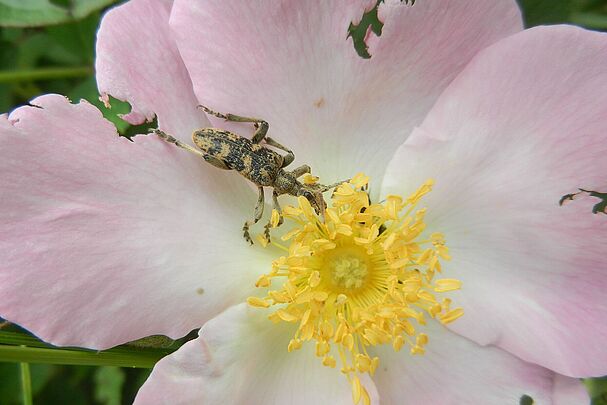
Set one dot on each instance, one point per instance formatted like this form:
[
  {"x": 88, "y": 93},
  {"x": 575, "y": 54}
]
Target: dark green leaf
[
  {"x": 538, "y": 12},
  {"x": 38, "y": 47},
  {"x": 10, "y": 390},
  {"x": 77, "y": 38}
]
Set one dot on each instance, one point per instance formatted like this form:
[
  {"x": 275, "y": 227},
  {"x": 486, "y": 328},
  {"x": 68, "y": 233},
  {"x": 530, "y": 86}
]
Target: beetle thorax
[{"x": 286, "y": 183}]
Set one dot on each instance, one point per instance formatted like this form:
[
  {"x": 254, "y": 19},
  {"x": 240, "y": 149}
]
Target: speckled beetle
[{"x": 259, "y": 164}]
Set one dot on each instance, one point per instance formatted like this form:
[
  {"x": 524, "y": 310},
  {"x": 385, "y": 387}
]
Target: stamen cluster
[{"x": 359, "y": 277}]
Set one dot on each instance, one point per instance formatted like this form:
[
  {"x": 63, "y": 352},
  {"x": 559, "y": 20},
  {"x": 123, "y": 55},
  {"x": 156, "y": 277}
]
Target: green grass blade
[
  {"x": 9, "y": 76},
  {"x": 19, "y": 348},
  {"x": 38, "y": 355}
]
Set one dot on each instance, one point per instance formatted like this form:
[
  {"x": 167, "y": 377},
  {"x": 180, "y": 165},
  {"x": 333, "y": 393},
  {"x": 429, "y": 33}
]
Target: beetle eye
[{"x": 315, "y": 201}]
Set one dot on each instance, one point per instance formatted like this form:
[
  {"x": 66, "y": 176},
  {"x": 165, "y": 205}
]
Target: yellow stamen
[
  {"x": 258, "y": 302},
  {"x": 309, "y": 179},
  {"x": 356, "y": 389},
  {"x": 262, "y": 240},
  {"x": 360, "y": 277},
  {"x": 447, "y": 284},
  {"x": 275, "y": 219}
]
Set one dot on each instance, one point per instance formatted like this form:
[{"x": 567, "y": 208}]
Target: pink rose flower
[{"x": 104, "y": 240}]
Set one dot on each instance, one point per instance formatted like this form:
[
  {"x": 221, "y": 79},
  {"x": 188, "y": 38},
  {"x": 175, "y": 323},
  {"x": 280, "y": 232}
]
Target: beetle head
[{"x": 315, "y": 199}]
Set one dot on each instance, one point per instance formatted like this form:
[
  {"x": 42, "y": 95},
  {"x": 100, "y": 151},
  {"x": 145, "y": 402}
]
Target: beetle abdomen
[{"x": 255, "y": 162}]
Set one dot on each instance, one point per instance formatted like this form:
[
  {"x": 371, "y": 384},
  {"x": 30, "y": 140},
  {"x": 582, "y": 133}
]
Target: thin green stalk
[
  {"x": 18, "y": 347},
  {"x": 9, "y": 76},
  {"x": 26, "y": 384},
  {"x": 19, "y": 354}
]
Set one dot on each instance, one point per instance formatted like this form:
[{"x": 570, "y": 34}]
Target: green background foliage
[{"x": 48, "y": 46}]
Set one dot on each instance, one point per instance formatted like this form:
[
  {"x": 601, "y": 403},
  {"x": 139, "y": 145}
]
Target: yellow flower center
[
  {"x": 359, "y": 277},
  {"x": 346, "y": 269}
]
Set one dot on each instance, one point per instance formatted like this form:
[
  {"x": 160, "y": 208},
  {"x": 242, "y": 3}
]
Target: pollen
[{"x": 363, "y": 274}]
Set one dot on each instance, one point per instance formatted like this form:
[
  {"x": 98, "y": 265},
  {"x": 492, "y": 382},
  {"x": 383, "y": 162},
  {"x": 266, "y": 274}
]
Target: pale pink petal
[
  {"x": 455, "y": 370},
  {"x": 291, "y": 63},
  {"x": 137, "y": 61},
  {"x": 104, "y": 240},
  {"x": 241, "y": 358},
  {"x": 523, "y": 125},
  {"x": 569, "y": 391}
]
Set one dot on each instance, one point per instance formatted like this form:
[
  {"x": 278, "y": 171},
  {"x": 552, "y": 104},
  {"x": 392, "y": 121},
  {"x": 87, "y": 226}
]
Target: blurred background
[{"x": 47, "y": 46}]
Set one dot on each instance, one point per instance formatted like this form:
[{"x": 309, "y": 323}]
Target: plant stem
[
  {"x": 19, "y": 354},
  {"x": 26, "y": 384},
  {"x": 18, "y": 347}
]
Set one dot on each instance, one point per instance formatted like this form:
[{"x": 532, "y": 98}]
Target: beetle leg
[
  {"x": 286, "y": 159},
  {"x": 228, "y": 116},
  {"x": 258, "y": 214},
  {"x": 171, "y": 139},
  {"x": 267, "y": 227},
  {"x": 261, "y": 126},
  {"x": 301, "y": 170},
  {"x": 330, "y": 186},
  {"x": 220, "y": 164},
  {"x": 324, "y": 188},
  {"x": 260, "y": 132}
]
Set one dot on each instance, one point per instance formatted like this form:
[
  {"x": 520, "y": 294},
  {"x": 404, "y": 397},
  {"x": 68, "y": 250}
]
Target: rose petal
[
  {"x": 291, "y": 63},
  {"x": 455, "y": 370},
  {"x": 104, "y": 240},
  {"x": 137, "y": 61},
  {"x": 241, "y": 357},
  {"x": 503, "y": 144},
  {"x": 569, "y": 391}
]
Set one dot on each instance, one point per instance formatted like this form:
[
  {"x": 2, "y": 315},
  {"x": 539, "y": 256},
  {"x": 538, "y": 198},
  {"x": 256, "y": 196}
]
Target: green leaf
[
  {"x": 82, "y": 8},
  {"x": 153, "y": 341},
  {"x": 37, "y": 49},
  {"x": 35, "y": 13},
  {"x": 597, "y": 388},
  {"x": 359, "y": 32},
  {"x": 29, "y": 13},
  {"x": 77, "y": 38},
  {"x": 591, "y": 20},
  {"x": 538, "y": 12},
  {"x": 108, "y": 385}
]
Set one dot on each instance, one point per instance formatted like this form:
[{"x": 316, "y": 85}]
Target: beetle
[{"x": 253, "y": 160}]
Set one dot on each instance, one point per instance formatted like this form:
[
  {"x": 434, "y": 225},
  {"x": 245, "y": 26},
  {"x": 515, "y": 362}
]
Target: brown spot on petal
[
  {"x": 200, "y": 291},
  {"x": 320, "y": 102}
]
